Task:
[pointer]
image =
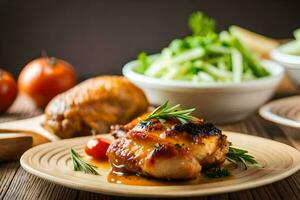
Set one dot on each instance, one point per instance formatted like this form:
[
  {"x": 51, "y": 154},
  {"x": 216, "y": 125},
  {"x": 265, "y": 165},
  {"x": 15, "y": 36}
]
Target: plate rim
[
  {"x": 122, "y": 188},
  {"x": 265, "y": 113}
]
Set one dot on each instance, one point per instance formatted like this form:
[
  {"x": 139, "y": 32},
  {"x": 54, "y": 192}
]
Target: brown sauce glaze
[
  {"x": 101, "y": 164},
  {"x": 131, "y": 179},
  {"x": 119, "y": 177}
]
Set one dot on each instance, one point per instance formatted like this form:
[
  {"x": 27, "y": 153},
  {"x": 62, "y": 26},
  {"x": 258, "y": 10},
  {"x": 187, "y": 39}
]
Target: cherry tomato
[
  {"x": 8, "y": 90},
  {"x": 44, "y": 78},
  {"x": 97, "y": 148}
]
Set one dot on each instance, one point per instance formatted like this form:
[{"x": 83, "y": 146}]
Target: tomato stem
[{"x": 52, "y": 61}]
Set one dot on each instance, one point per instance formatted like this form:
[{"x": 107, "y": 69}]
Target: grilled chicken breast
[
  {"x": 94, "y": 104},
  {"x": 168, "y": 150}
]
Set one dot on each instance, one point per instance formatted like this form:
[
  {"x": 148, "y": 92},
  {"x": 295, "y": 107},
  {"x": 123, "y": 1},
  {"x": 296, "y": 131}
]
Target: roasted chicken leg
[
  {"x": 168, "y": 150},
  {"x": 94, "y": 104}
]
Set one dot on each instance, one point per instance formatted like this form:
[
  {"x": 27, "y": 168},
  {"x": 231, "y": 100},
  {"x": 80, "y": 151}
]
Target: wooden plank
[
  {"x": 7, "y": 173},
  {"x": 284, "y": 190},
  {"x": 241, "y": 195},
  {"x": 27, "y": 186},
  {"x": 292, "y": 135},
  {"x": 294, "y": 183},
  {"x": 82, "y": 195}
]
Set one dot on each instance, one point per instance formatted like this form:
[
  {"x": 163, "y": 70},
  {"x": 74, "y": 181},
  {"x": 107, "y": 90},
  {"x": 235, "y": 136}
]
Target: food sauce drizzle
[
  {"x": 119, "y": 177},
  {"x": 132, "y": 179}
]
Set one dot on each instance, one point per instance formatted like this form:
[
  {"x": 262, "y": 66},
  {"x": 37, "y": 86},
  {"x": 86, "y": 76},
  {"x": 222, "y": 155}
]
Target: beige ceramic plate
[
  {"x": 284, "y": 111},
  {"x": 52, "y": 162}
]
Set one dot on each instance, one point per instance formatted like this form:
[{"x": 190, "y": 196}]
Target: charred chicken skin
[
  {"x": 167, "y": 149},
  {"x": 94, "y": 104}
]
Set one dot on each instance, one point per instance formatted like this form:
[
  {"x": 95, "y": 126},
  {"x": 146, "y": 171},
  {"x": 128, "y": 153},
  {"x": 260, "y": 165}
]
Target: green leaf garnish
[
  {"x": 297, "y": 34},
  {"x": 166, "y": 112},
  {"x": 240, "y": 157},
  {"x": 201, "y": 24},
  {"x": 143, "y": 63},
  {"x": 217, "y": 172},
  {"x": 81, "y": 165},
  {"x": 178, "y": 146}
]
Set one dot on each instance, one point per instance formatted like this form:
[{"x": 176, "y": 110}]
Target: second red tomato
[{"x": 97, "y": 148}]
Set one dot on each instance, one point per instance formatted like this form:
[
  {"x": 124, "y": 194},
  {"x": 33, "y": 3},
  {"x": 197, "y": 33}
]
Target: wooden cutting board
[{"x": 18, "y": 136}]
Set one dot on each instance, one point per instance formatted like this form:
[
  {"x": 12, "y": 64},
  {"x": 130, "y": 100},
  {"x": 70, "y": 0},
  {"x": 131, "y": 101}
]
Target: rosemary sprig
[
  {"x": 217, "y": 172},
  {"x": 240, "y": 157},
  {"x": 166, "y": 112},
  {"x": 81, "y": 165}
]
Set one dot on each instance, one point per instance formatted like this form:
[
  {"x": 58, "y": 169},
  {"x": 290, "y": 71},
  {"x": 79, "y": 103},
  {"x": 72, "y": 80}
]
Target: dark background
[{"x": 99, "y": 36}]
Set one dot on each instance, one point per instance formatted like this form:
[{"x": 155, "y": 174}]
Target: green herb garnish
[
  {"x": 217, "y": 172},
  {"x": 81, "y": 165},
  {"x": 200, "y": 24},
  {"x": 240, "y": 157},
  {"x": 143, "y": 62},
  {"x": 166, "y": 112},
  {"x": 178, "y": 146}
]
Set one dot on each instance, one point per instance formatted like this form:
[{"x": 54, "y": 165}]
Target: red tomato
[
  {"x": 97, "y": 148},
  {"x": 44, "y": 78},
  {"x": 8, "y": 90}
]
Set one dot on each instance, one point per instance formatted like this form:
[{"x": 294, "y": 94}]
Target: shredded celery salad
[
  {"x": 205, "y": 57},
  {"x": 293, "y": 48}
]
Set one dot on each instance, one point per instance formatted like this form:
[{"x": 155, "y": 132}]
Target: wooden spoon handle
[
  {"x": 30, "y": 125},
  {"x": 18, "y": 136}
]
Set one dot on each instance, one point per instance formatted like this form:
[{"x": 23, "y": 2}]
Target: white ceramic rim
[
  {"x": 122, "y": 190},
  {"x": 265, "y": 112},
  {"x": 274, "y": 68},
  {"x": 284, "y": 58}
]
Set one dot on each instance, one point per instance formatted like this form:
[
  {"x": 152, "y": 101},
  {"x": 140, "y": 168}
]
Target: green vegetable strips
[
  {"x": 293, "y": 47},
  {"x": 205, "y": 57}
]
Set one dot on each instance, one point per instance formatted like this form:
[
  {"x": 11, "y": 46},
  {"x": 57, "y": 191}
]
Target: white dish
[
  {"x": 290, "y": 62},
  {"x": 284, "y": 111},
  {"x": 226, "y": 102},
  {"x": 52, "y": 162}
]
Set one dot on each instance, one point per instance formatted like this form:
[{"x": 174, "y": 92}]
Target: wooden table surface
[{"x": 16, "y": 183}]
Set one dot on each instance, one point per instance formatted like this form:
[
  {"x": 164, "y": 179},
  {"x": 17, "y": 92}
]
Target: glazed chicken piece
[
  {"x": 168, "y": 150},
  {"x": 94, "y": 104}
]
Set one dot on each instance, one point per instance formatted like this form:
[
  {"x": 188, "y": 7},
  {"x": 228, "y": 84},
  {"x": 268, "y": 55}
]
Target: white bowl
[
  {"x": 221, "y": 103},
  {"x": 290, "y": 62}
]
